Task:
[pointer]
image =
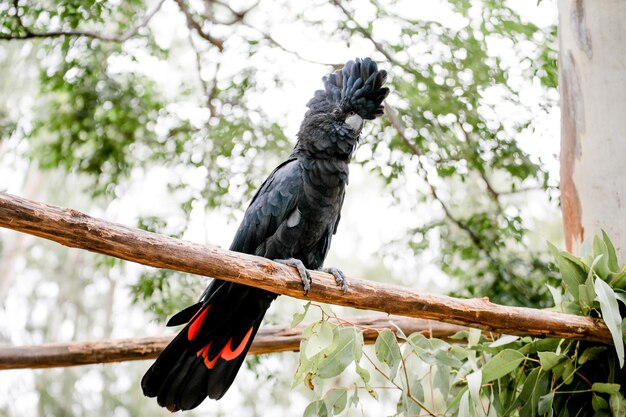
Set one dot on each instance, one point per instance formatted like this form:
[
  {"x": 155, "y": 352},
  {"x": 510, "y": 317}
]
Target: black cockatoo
[{"x": 292, "y": 218}]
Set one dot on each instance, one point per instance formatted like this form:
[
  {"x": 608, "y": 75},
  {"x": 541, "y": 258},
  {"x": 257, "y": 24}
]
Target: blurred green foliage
[
  {"x": 447, "y": 149},
  {"x": 481, "y": 375}
]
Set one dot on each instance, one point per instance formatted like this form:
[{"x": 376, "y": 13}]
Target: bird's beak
[{"x": 355, "y": 122}]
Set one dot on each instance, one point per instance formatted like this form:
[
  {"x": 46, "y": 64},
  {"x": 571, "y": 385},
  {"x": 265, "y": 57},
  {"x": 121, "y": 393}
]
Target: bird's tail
[
  {"x": 357, "y": 86},
  {"x": 203, "y": 359}
]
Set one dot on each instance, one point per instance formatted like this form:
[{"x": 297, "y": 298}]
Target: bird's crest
[{"x": 357, "y": 87}]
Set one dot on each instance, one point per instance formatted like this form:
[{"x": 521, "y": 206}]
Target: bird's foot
[
  {"x": 340, "y": 277},
  {"x": 304, "y": 274}
]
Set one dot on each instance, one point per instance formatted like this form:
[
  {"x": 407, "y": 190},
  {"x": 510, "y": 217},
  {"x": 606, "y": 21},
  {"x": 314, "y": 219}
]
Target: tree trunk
[{"x": 592, "y": 72}]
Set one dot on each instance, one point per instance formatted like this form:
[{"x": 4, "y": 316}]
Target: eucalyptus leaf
[
  {"x": 535, "y": 387},
  {"x": 464, "y": 405},
  {"x": 501, "y": 364},
  {"x": 388, "y": 351},
  {"x": 599, "y": 404},
  {"x": 611, "y": 316},
  {"x": 617, "y": 404},
  {"x": 601, "y": 262},
  {"x": 605, "y": 388},
  {"x": 298, "y": 317},
  {"x": 336, "y": 400},
  {"x": 340, "y": 354},
  {"x": 320, "y": 339},
  {"x": 573, "y": 271},
  {"x": 549, "y": 360},
  {"x": 591, "y": 353},
  {"x": 545, "y": 403},
  {"x": 503, "y": 340},
  {"x": 612, "y": 255},
  {"x": 473, "y": 384}
]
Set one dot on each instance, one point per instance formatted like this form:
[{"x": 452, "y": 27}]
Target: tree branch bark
[
  {"x": 74, "y": 229},
  {"x": 268, "y": 340}
]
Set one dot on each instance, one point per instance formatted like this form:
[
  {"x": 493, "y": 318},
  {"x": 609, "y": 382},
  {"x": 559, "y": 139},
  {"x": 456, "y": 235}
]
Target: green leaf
[
  {"x": 557, "y": 295},
  {"x": 441, "y": 380},
  {"x": 445, "y": 357},
  {"x": 620, "y": 296},
  {"x": 504, "y": 340},
  {"x": 464, "y": 406},
  {"x": 601, "y": 255},
  {"x": 618, "y": 280},
  {"x": 612, "y": 255},
  {"x": 388, "y": 351},
  {"x": 568, "y": 372},
  {"x": 501, "y": 364},
  {"x": 320, "y": 339},
  {"x": 618, "y": 405},
  {"x": 611, "y": 316},
  {"x": 473, "y": 385},
  {"x": 591, "y": 353},
  {"x": 601, "y": 261},
  {"x": 584, "y": 300},
  {"x": 535, "y": 386},
  {"x": 549, "y": 360},
  {"x": 605, "y": 387},
  {"x": 316, "y": 409},
  {"x": 298, "y": 317},
  {"x": 545, "y": 403},
  {"x": 340, "y": 354},
  {"x": 599, "y": 404},
  {"x": 573, "y": 271},
  {"x": 362, "y": 372},
  {"x": 336, "y": 400}
]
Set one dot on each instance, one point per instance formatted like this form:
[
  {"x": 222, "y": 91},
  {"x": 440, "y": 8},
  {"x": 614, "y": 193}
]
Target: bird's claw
[
  {"x": 340, "y": 277},
  {"x": 302, "y": 271}
]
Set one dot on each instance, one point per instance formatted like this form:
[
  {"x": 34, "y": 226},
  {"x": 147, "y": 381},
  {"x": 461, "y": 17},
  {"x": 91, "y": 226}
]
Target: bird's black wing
[{"x": 271, "y": 205}]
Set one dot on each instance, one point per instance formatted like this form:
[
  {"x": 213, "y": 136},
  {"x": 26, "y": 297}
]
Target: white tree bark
[{"x": 592, "y": 72}]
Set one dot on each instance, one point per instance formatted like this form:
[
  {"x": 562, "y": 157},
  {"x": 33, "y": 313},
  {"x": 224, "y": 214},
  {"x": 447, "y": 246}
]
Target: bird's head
[
  {"x": 350, "y": 117},
  {"x": 351, "y": 95},
  {"x": 357, "y": 91}
]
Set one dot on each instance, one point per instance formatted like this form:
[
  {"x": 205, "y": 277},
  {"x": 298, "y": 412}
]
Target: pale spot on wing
[{"x": 294, "y": 218}]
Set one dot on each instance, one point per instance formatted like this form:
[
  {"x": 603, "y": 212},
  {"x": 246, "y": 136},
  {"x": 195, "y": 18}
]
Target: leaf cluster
[{"x": 478, "y": 375}]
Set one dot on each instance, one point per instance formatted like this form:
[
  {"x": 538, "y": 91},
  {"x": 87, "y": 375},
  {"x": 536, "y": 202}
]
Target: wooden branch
[
  {"x": 272, "y": 339},
  {"x": 75, "y": 229}
]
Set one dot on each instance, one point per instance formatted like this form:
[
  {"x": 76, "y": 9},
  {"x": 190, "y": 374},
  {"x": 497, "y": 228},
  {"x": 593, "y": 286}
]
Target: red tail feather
[
  {"x": 226, "y": 353},
  {"x": 195, "y": 326}
]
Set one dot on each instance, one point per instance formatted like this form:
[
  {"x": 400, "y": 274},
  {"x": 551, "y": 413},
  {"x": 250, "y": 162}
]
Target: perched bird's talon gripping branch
[{"x": 292, "y": 219}]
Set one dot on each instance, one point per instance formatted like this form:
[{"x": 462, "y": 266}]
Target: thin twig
[
  {"x": 379, "y": 46},
  {"x": 388, "y": 378},
  {"x": 273, "y": 41},
  {"x": 238, "y": 16},
  {"x": 30, "y": 34},
  {"x": 208, "y": 91},
  {"x": 197, "y": 27},
  {"x": 397, "y": 124}
]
